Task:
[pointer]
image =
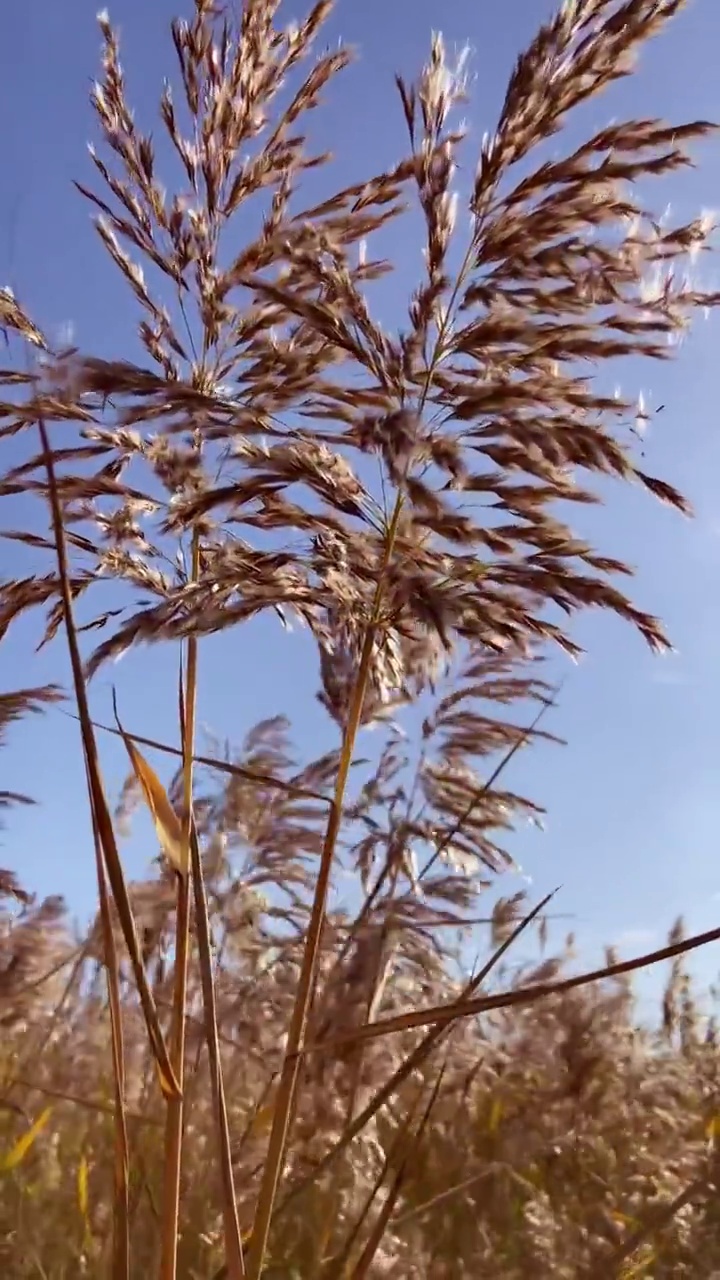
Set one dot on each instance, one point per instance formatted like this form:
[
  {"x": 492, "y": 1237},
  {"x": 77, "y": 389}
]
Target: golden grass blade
[
  {"x": 82, "y": 1184},
  {"x": 98, "y": 802},
  {"x": 165, "y": 820},
  {"x": 83, "y": 1197},
  {"x": 18, "y": 1152},
  {"x": 261, "y": 1122}
]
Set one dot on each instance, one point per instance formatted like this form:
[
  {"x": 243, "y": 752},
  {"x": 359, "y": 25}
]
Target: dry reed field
[{"x": 231, "y": 1076}]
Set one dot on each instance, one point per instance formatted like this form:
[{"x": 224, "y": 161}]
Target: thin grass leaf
[
  {"x": 90, "y": 1104},
  {"x": 83, "y": 1195},
  {"x": 18, "y": 1152},
  {"x": 443, "y": 1196},
  {"x": 165, "y": 820},
  {"x": 221, "y": 766}
]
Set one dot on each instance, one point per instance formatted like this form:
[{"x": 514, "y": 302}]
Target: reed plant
[{"x": 235, "y": 1073}]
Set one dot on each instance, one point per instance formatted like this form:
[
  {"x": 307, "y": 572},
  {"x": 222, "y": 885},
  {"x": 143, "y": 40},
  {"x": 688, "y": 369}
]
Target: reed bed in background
[{"x": 234, "y": 1074}]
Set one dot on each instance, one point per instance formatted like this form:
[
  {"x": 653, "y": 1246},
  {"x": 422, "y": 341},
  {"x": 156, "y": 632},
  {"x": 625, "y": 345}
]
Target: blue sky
[{"x": 633, "y": 801}]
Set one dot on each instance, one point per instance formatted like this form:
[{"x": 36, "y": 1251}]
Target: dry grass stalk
[
  {"x": 468, "y": 1008},
  {"x": 233, "y": 1239},
  {"x": 102, "y": 826},
  {"x": 103, "y": 854},
  {"x": 175, "y": 1110}
]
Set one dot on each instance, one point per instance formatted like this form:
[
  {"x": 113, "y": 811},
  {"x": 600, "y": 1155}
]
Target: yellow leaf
[
  {"x": 635, "y": 1269},
  {"x": 262, "y": 1120},
  {"x": 495, "y": 1116},
  {"x": 712, "y": 1130},
  {"x": 167, "y": 1088},
  {"x": 165, "y": 820},
  {"x": 623, "y": 1219},
  {"x": 23, "y": 1144},
  {"x": 82, "y": 1188}
]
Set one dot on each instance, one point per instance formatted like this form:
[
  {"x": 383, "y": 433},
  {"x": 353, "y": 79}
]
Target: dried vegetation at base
[{"x": 402, "y": 496}]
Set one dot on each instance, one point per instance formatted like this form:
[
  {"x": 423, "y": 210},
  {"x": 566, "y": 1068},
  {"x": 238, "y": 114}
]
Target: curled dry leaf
[{"x": 165, "y": 820}]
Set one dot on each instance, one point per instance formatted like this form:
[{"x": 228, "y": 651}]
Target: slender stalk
[
  {"x": 287, "y": 1086},
  {"x": 233, "y": 1238},
  {"x": 121, "y": 1207},
  {"x": 175, "y": 1106},
  {"x": 523, "y": 736},
  {"x": 98, "y": 803},
  {"x": 290, "y": 1069},
  {"x": 121, "y": 1219}
]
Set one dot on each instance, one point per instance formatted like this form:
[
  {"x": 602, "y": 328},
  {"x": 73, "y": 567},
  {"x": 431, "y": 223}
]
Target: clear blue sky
[{"x": 634, "y": 801}]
